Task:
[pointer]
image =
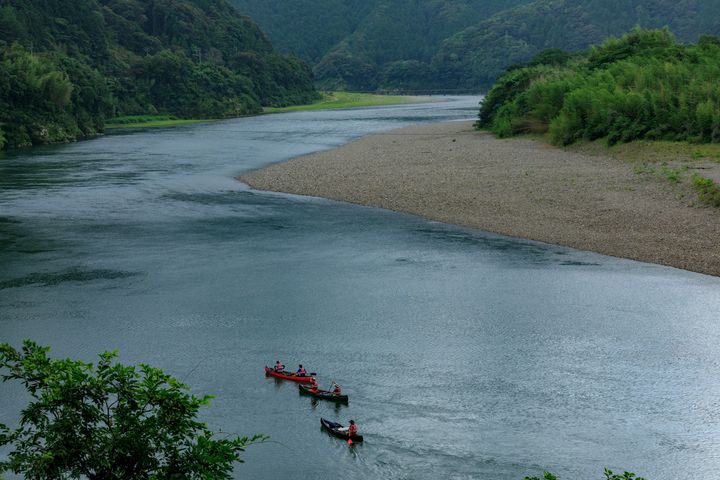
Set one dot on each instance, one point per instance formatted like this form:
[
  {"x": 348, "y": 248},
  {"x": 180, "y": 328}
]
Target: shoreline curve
[{"x": 522, "y": 188}]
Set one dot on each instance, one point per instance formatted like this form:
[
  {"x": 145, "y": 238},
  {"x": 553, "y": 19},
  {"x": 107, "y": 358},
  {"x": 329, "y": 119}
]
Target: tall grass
[{"x": 643, "y": 85}]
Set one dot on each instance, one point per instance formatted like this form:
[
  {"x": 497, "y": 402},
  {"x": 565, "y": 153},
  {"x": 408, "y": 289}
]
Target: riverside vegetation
[
  {"x": 67, "y": 67},
  {"x": 642, "y": 86}
]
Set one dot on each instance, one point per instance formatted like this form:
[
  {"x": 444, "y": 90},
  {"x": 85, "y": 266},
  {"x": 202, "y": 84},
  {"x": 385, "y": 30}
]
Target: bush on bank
[{"x": 642, "y": 85}]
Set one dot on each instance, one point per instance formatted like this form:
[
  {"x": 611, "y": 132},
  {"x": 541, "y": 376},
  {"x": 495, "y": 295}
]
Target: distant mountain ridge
[
  {"x": 478, "y": 55},
  {"x": 419, "y": 44},
  {"x": 362, "y": 45},
  {"x": 66, "y": 66}
]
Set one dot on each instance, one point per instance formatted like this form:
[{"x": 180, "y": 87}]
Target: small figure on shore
[
  {"x": 301, "y": 371},
  {"x": 336, "y": 390},
  {"x": 313, "y": 385},
  {"x": 279, "y": 367}
]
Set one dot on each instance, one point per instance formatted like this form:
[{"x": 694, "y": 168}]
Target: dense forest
[
  {"x": 476, "y": 56},
  {"x": 465, "y": 44},
  {"x": 368, "y": 44},
  {"x": 66, "y": 67},
  {"x": 643, "y": 85}
]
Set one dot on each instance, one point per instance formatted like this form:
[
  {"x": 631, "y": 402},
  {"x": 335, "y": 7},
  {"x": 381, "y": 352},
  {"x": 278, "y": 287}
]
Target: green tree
[
  {"x": 609, "y": 475},
  {"x": 108, "y": 421}
]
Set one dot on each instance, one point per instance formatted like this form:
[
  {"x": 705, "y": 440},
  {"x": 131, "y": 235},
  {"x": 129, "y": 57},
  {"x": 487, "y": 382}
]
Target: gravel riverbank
[{"x": 517, "y": 187}]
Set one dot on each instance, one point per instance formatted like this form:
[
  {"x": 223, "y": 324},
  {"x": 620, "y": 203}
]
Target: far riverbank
[
  {"x": 517, "y": 187},
  {"x": 343, "y": 100},
  {"x": 327, "y": 101}
]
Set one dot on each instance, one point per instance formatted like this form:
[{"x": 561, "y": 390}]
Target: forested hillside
[
  {"x": 476, "y": 56},
  {"x": 364, "y": 45},
  {"x": 306, "y": 28},
  {"x": 464, "y": 44},
  {"x": 66, "y": 67}
]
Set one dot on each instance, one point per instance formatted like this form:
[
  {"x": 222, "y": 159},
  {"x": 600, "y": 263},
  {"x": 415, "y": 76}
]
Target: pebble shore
[{"x": 518, "y": 187}]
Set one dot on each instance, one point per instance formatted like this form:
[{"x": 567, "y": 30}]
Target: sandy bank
[{"x": 518, "y": 187}]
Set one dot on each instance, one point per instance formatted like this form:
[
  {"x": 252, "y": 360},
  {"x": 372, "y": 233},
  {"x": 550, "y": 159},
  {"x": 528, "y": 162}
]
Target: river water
[{"x": 465, "y": 354}]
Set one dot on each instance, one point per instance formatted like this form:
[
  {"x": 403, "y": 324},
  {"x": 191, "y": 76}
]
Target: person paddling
[
  {"x": 351, "y": 430},
  {"x": 313, "y": 384},
  {"x": 279, "y": 367},
  {"x": 336, "y": 390},
  {"x": 301, "y": 371}
]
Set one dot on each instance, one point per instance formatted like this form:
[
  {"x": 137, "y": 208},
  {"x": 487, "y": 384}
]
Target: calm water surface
[{"x": 465, "y": 355}]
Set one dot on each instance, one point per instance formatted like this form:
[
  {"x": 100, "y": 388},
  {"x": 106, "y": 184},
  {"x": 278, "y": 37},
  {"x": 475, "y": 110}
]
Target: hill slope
[
  {"x": 363, "y": 45},
  {"x": 479, "y": 54},
  {"x": 417, "y": 44},
  {"x": 306, "y": 28},
  {"x": 67, "y": 66}
]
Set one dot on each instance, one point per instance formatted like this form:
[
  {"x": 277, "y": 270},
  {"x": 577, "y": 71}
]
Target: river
[{"x": 465, "y": 354}]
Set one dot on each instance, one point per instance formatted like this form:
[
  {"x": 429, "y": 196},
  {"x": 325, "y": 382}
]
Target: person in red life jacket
[
  {"x": 313, "y": 385},
  {"x": 279, "y": 367},
  {"x": 336, "y": 390},
  {"x": 301, "y": 371},
  {"x": 352, "y": 429}
]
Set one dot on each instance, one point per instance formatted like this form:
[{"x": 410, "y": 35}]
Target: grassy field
[
  {"x": 329, "y": 100},
  {"x": 332, "y": 100},
  {"x": 146, "y": 121}
]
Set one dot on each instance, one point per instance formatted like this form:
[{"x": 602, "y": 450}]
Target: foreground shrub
[
  {"x": 708, "y": 190},
  {"x": 609, "y": 475},
  {"x": 108, "y": 421}
]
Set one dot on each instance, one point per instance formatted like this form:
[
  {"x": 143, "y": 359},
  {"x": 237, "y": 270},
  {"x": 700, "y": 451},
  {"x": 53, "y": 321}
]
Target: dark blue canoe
[
  {"x": 332, "y": 428},
  {"x": 323, "y": 394}
]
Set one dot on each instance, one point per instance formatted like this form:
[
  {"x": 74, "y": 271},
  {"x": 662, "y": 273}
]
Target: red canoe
[{"x": 287, "y": 376}]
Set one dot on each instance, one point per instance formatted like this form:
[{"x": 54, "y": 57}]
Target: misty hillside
[
  {"x": 476, "y": 56},
  {"x": 467, "y": 44},
  {"x": 367, "y": 44}
]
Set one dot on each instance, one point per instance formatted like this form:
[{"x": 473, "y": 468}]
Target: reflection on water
[{"x": 465, "y": 354}]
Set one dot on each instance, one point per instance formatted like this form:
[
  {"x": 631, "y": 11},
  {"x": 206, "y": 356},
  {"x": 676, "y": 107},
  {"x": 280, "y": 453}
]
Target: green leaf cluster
[
  {"x": 609, "y": 475},
  {"x": 708, "y": 190},
  {"x": 66, "y": 67},
  {"x": 108, "y": 421},
  {"x": 642, "y": 85}
]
